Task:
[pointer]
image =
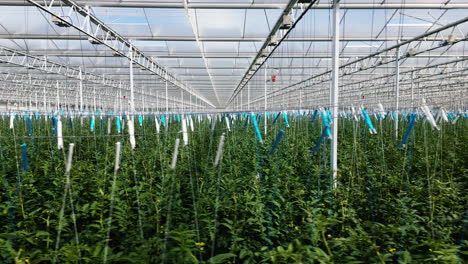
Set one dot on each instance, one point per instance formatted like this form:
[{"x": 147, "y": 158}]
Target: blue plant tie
[
  {"x": 314, "y": 116},
  {"x": 319, "y": 142},
  {"x": 326, "y": 124},
  {"x": 54, "y": 125},
  {"x": 24, "y": 156},
  {"x": 388, "y": 113},
  {"x": 30, "y": 128},
  {"x": 257, "y": 131},
  {"x": 117, "y": 123},
  {"x": 259, "y": 118},
  {"x": 99, "y": 111},
  {"x": 70, "y": 123},
  {"x": 178, "y": 118},
  {"x": 368, "y": 121},
  {"x": 408, "y": 131},
  {"x": 91, "y": 125},
  {"x": 276, "y": 117},
  {"x": 246, "y": 121},
  {"x": 163, "y": 120},
  {"x": 140, "y": 120},
  {"x": 450, "y": 116},
  {"x": 268, "y": 114},
  {"x": 285, "y": 116},
  {"x": 329, "y": 116},
  {"x": 277, "y": 141}
]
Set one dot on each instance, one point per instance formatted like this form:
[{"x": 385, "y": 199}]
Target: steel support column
[{"x": 334, "y": 91}]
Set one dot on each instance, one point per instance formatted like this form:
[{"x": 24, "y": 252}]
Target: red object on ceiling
[{"x": 273, "y": 78}]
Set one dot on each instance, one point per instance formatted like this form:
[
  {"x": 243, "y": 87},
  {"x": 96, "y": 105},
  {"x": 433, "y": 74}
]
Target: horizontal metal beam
[
  {"x": 233, "y": 5},
  {"x": 188, "y": 67},
  {"x": 232, "y": 55},
  {"x": 213, "y": 39}
]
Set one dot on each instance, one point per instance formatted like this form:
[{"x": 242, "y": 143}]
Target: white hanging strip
[
  {"x": 191, "y": 124},
  {"x": 219, "y": 153},
  {"x": 381, "y": 110},
  {"x": 157, "y": 124},
  {"x": 117, "y": 157},
  {"x": 184, "y": 131},
  {"x": 131, "y": 132},
  {"x": 227, "y": 123},
  {"x": 71, "y": 146},
  {"x": 174, "y": 154},
  {"x": 109, "y": 126},
  {"x": 429, "y": 116},
  {"x": 443, "y": 114},
  {"x": 213, "y": 124},
  {"x": 12, "y": 118},
  {"x": 59, "y": 133},
  {"x": 353, "y": 112}
]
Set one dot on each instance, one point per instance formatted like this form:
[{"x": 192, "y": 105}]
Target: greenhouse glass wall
[{"x": 233, "y": 131}]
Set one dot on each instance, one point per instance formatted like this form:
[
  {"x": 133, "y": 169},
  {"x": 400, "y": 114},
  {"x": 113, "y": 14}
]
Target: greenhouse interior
[{"x": 233, "y": 131}]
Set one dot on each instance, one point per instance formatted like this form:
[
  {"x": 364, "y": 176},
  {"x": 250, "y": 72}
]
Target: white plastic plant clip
[
  {"x": 227, "y": 123},
  {"x": 429, "y": 116},
  {"x": 184, "y": 131},
  {"x": 219, "y": 153},
  {"x": 59, "y": 133},
  {"x": 131, "y": 133},
  {"x": 174, "y": 154}
]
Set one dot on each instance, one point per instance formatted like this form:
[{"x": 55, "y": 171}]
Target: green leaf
[{"x": 221, "y": 258}]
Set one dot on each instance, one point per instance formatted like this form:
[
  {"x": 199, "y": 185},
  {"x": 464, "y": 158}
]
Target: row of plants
[{"x": 392, "y": 204}]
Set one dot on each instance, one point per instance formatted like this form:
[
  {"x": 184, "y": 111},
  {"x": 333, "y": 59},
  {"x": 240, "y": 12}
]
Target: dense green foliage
[{"x": 392, "y": 205}]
